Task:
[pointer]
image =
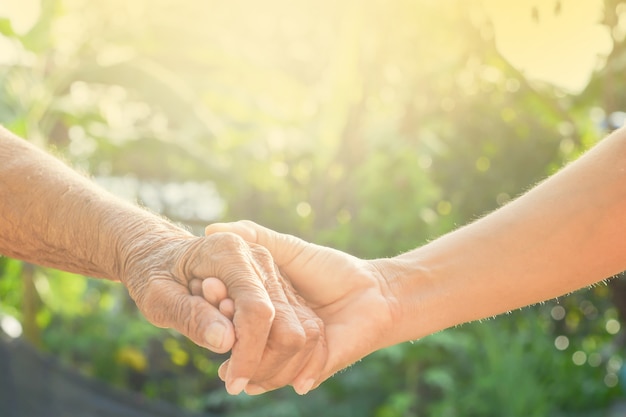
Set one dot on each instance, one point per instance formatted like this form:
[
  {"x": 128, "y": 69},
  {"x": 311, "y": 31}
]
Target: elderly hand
[
  {"x": 162, "y": 278},
  {"x": 348, "y": 294},
  {"x": 157, "y": 261}
]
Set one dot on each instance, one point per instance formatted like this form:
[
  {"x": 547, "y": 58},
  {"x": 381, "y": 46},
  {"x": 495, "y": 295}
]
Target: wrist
[
  {"x": 143, "y": 242},
  {"x": 418, "y": 294}
]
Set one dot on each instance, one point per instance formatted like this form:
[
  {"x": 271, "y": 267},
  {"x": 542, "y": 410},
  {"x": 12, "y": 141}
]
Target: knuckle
[
  {"x": 246, "y": 223},
  {"x": 195, "y": 287},
  {"x": 313, "y": 330},
  {"x": 260, "y": 250},
  {"x": 296, "y": 342},
  {"x": 258, "y": 311},
  {"x": 288, "y": 339},
  {"x": 261, "y": 254},
  {"x": 249, "y": 227},
  {"x": 263, "y": 311},
  {"x": 225, "y": 242},
  {"x": 230, "y": 239}
]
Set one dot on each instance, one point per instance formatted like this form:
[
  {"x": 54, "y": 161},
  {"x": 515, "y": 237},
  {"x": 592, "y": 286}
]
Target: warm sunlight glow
[
  {"x": 23, "y": 13},
  {"x": 554, "y": 41}
]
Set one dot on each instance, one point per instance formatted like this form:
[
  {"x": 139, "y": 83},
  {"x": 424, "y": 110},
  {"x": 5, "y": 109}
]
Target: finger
[
  {"x": 195, "y": 288},
  {"x": 312, "y": 269},
  {"x": 290, "y": 345},
  {"x": 228, "y": 257},
  {"x": 168, "y": 304},
  {"x": 301, "y": 387},
  {"x": 250, "y": 389},
  {"x": 252, "y": 328},
  {"x": 284, "y": 248},
  {"x": 310, "y": 368},
  {"x": 309, "y": 376},
  {"x": 286, "y": 338},
  {"x": 227, "y": 308},
  {"x": 283, "y": 363},
  {"x": 302, "y": 369},
  {"x": 289, "y": 370},
  {"x": 213, "y": 290},
  {"x": 223, "y": 369}
]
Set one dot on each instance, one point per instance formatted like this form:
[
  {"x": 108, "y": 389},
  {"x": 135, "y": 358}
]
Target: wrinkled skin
[
  {"x": 348, "y": 294},
  {"x": 265, "y": 312},
  {"x": 52, "y": 216}
]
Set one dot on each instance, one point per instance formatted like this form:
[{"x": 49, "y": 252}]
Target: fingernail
[
  {"x": 304, "y": 387},
  {"x": 214, "y": 335},
  {"x": 237, "y": 386},
  {"x": 255, "y": 389}
]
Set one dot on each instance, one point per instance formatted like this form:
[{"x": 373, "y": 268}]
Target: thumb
[
  {"x": 283, "y": 248},
  {"x": 170, "y": 305}
]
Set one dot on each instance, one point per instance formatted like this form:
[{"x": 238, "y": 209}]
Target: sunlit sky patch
[
  {"x": 559, "y": 42},
  {"x": 23, "y": 13},
  {"x": 556, "y": 41}
]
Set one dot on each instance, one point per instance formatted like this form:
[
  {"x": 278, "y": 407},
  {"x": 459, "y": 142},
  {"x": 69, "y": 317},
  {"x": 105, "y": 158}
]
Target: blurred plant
[{"x": 369, "y": 126}]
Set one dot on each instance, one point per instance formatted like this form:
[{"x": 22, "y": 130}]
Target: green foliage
[{"x": 369, "y": 126}]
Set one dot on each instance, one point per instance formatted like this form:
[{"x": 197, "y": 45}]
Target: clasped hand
[
  {"x": 274, "y": 337},
  {"x": 290, "y": 312},
  {"x": 331, "y": 309}
]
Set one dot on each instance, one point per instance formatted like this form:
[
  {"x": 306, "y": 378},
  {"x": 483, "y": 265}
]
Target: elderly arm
[{"x": 52, "y": 216}]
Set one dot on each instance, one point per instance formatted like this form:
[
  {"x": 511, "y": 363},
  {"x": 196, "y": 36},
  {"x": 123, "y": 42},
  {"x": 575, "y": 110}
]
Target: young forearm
[
  {"x": 52, "y": 216},
  {"x": 565, "y": 234}
]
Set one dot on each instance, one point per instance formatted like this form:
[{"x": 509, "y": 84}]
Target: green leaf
[{"x": 6, "y": 28}]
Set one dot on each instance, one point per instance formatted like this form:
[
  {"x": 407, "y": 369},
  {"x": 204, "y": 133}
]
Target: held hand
[
  {"x": 286, "y": 361},
  {"x": 350, "y": 296},
  {"x": 160, "y": 278}
]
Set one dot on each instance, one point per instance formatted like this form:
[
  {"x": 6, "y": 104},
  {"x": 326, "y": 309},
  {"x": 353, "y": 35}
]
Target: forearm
[
  {"x": 52, "y": 216},
  {"x": 565, "y": 234}
]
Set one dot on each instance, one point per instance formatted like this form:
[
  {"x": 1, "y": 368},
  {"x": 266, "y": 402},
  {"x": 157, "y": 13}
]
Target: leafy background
[{"x": 371, "y": 126}]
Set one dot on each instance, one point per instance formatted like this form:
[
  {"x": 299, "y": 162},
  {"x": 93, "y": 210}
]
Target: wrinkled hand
[
  {"x": 161, "y": 278},
  {"x": 348, "y": 294},
  {"x": 286, "y": 361}
]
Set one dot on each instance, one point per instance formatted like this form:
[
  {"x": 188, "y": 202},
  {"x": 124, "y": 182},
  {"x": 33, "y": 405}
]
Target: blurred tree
[{"x": 370, "y": 126}]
